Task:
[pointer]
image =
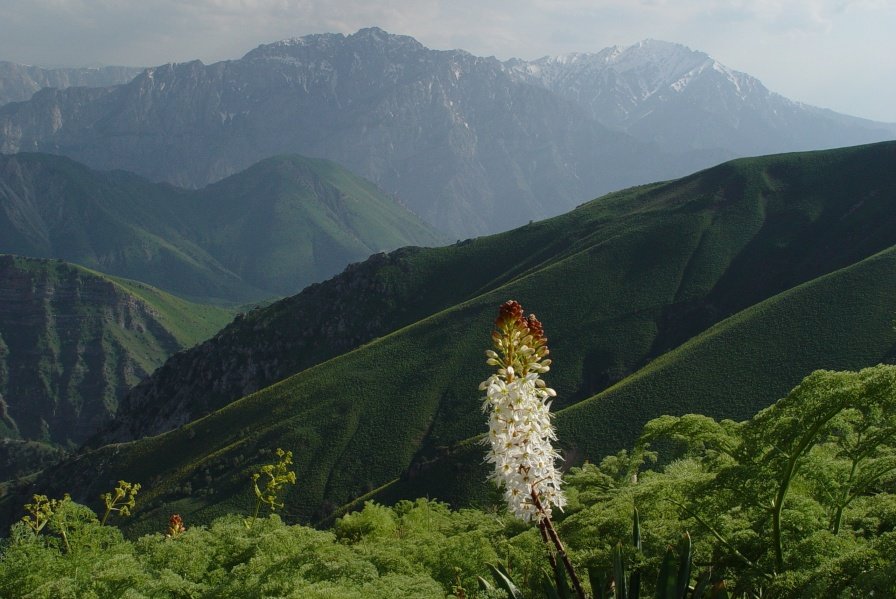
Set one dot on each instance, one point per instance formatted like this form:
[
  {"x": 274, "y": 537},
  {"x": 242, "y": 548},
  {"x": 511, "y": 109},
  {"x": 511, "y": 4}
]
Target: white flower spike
[{"x": 518, "y": 404}]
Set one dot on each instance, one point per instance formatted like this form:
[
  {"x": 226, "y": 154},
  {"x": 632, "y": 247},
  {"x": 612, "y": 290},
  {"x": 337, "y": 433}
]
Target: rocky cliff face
[{"x": 71, "y": 344}]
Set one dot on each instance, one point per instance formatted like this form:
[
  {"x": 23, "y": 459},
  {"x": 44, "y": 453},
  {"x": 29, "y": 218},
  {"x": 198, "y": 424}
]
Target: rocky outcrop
[{"x": 680, "y": 98}]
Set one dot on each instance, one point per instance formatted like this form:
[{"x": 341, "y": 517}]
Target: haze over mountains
[
  {"x": 680, "y": 99},
  {"x": 470, "y": 144},
  {"x": 713, "y": 294}
]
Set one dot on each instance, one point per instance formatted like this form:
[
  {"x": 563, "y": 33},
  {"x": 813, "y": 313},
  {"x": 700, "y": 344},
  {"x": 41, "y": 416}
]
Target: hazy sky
[{"x": 838, "y": 54}]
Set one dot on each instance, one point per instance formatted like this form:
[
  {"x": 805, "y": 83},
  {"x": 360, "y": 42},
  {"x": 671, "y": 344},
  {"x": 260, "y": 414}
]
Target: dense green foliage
[
  {"x": 72, "y": 342},
  {"x": 268, "y": 231},
  {"x": 796, "y": 502},
  {"x": 712, "y": 295}
]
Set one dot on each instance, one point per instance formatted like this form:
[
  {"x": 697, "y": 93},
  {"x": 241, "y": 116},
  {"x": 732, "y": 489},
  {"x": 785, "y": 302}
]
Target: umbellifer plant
[
  {"x": 122, "y": 500},
  {"x": 276, "y": 477}
]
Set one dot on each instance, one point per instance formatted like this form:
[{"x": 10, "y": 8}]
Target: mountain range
[
  {"x": 268, "y": 231},
  {"x": 715, "y": 293},
  {"x": 470, "y": 144}
]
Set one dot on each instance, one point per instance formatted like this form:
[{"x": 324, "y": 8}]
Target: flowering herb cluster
[{"x": 518, "y": 404}]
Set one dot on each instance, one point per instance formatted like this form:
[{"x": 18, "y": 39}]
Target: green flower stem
[{"x": 789, "y": 472}]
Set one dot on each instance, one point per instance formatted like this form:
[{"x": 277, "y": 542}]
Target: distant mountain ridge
[
  {"x": 18, "y": 82},
  {"x": 390, "y": 291},
  {"x": 472, "y": 145},
  {"x": 270, "y": 230},
  {"x": 715, "y": 293},
  {"x": 677, "y": 97}
]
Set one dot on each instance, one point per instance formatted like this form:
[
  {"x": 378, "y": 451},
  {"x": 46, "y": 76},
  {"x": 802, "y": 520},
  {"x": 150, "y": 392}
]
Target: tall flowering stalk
[
  {"x": 520, "y": 431},
  {"x": 519, "y": 420}
]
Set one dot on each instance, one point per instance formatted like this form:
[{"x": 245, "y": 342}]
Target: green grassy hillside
[
  {"x": 840, "y": 321},
  {"x": 73, "y": 341},
  {"x": 116, "y": 222},
  {"x": 794, "y": 251},
  {"x": 268, "y": 231},
  {"x": 290, "y": 221}
]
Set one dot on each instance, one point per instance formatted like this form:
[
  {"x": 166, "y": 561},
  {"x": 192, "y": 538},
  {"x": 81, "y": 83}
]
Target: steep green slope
[
  {"x": 617, "y": 282},
  {"x": 268, "y": 231},
  {"x": 647, "y": 268},
  {"x": 20, "y": 459},
  {"x": 839, "y": 321},
  {"x": 73, "y": 341}
]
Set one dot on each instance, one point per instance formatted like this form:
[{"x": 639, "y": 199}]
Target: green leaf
[
  {"x": 634, "y": 584},
  {"x": 549, "y": 589},
  {"x": 563, "y": 590},
  {"x": 701, "y": 585},
  {"x": 684, "y": 566},
  {"x": 619, "y": 573},
  {"x": 598, "y": 580},
  {"x": 636, "y": 530},
  {"x": 666, "y": 583},
  {"x": 503, "y": 581}
]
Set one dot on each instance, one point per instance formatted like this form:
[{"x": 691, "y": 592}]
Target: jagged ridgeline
[
  {"x": 72, "y": 342},
  {"x": 716, "y": 294},
  {"x": 269, "y": 231}
]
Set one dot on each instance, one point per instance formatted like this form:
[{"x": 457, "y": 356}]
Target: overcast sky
[{"x": 838, "y": 54}]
